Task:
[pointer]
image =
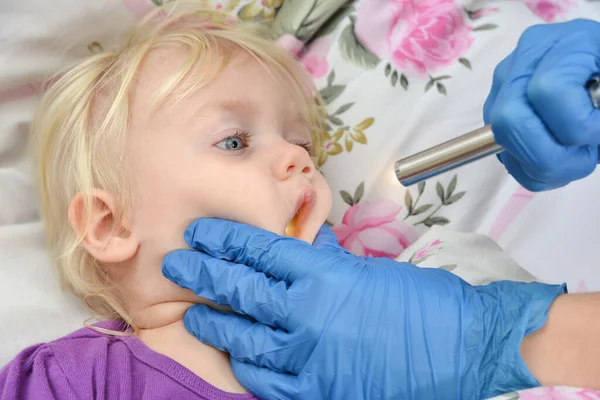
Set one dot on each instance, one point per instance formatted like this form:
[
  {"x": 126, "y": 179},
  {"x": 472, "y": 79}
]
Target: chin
[
  {"x": 309, "y": 236},
  {"x": 307, "y": 232}
]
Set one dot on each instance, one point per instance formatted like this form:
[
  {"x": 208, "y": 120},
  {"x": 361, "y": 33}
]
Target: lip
[{"x": 304, "y": 206}]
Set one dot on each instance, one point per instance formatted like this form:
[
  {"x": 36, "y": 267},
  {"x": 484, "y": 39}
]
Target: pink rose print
[
  {"x": 559, "y": 393},
  {"x": 549, "y": 10},
  {"x": 483, "y": 12},
  {"x": 370, "y": 229},
  {"x": 315, "y": 58},
  {"x": 290, "y": 43},
  {"x": 418, "y": 36},
  {"x": 425, "y": 252}
]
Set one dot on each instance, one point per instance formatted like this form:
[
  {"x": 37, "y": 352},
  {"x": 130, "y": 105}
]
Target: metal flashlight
[{"x": 462, "y": 150}]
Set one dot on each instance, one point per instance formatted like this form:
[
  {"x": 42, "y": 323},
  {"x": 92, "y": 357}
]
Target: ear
[{"x": 105, "y": 237}]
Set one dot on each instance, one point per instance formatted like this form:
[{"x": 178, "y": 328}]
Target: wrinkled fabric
[{"x": 91, "y": 365}]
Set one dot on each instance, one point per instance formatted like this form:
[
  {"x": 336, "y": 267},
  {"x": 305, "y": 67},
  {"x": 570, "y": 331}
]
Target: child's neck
[{"x": 171, "y": 339}]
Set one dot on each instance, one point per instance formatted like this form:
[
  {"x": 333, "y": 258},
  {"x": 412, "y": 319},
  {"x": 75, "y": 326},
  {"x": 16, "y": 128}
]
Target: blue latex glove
[
  {"x": 540, "y": 111},
  {"x": 330, "y": 325}
]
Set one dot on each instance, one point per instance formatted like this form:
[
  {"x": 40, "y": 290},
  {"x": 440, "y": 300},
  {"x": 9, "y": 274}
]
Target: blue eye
[{"x": 236, "y": 142}]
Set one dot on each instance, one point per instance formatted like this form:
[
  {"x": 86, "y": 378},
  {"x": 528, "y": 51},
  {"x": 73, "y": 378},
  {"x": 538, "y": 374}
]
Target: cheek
[
  {"x": 159, "y": 216},
  {"x": 170, "y": 199},
  {"x": 244, "y": 195},
  {"x": 324, "y": 196},
  {"x": 167, "y": 197}
]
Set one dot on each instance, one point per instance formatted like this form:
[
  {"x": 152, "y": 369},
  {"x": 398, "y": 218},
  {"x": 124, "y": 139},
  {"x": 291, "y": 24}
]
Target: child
[{"x": 194, "y": 117}]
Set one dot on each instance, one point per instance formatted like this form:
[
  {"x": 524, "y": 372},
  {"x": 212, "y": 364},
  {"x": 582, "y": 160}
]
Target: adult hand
[
  {"x": 539, "y": 108},
  {"x": 326, "y": 324}
]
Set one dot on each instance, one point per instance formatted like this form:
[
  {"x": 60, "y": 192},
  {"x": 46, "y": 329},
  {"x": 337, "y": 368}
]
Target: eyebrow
[
  {"x": 239, "y": 106},
  {"x": 233, "y": 106}
]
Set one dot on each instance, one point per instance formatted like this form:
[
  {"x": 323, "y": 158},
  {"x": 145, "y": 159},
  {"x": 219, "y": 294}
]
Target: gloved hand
[
  {"x": 539, "y": 109},
  {"x": 330, "y": 325}
]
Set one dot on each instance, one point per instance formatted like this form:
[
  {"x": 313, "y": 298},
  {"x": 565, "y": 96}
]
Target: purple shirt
[{"x": 90, "y": 365}]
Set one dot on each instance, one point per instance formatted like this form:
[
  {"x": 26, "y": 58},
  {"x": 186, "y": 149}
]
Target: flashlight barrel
[{"x": 462, "y": 150}]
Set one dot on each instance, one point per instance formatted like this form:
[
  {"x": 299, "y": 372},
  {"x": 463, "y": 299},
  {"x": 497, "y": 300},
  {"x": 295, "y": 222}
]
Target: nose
[{"x": 292, "y": 160}]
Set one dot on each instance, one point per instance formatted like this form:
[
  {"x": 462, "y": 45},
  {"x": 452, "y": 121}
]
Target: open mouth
[{"x": 304, "y": 207}]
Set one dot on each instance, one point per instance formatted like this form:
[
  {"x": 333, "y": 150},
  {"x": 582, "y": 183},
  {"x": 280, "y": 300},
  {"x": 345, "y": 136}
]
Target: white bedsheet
[{"x": 37, "y": 38}]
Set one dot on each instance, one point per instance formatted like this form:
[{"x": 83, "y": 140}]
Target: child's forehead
[
  {"x": 162, "y": 62},
  {"x": 222, "y": 74},
  {"x": 157, "y": 79}
]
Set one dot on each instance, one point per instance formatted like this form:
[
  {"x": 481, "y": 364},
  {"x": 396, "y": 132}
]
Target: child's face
[{"x": 230, "y": 150}]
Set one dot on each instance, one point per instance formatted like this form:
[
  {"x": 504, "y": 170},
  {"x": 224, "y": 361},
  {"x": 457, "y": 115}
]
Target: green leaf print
[
  {"x": 335, "y": 120},
  {"x": 431, "y": 221},
  {"x": 353, "y": 50},
  {"x": 303, "y": 18},
  {"x": 343, "y": 108},
  {"x": 394, "y": 78},
  {"x": 347, "y": 198},
  {"x": 440, "y": 191},
  {"x": 485, "y": 27},
  {"x": 408, "y": 202},
  {"x": 446, "y": 197},
  {"x": 429, "y": 85},
  {"x": 334, "y": 20},
  {"x": 451, "y": 186},
  {"x": 465, "y": 62},
  {"x": 422, "y": 209},
  {"x": 332, "y": 92},
  {"x": 454, "y": 198},
  {"x": 404, "y": 82},
  {"x": 331, "y": 78},
  {"x": 441, "y": 88},
  {"x": 359, "y": 192}
]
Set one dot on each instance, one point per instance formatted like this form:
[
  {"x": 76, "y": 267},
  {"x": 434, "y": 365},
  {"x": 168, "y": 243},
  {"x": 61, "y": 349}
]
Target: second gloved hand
[
  {"x": 539, "y": 108},
  {"x": 326, "y": 324}
]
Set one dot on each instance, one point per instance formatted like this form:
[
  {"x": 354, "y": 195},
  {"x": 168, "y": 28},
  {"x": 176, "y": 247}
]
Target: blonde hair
[{"x": 79, "y": 133}]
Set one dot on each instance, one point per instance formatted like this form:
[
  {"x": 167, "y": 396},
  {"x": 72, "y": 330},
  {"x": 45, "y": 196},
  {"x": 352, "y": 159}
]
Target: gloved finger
[
  {"x": 265, "y": 383},
  {"x": 557, "y": 90},
  {"x": 500, "y": 74},
  {"x": 246, "y": 341},
  {"x": 520, "y": 175},
  {"x": 520, "y": 131},
  {"x": 325, "y": 238},
  {"x": 283, "y": 258},
  {"x": 226, "y": 283}
]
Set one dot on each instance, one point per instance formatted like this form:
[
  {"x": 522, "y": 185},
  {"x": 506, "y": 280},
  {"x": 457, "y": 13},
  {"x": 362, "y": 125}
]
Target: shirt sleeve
[{"x": 34, "y": 374}]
